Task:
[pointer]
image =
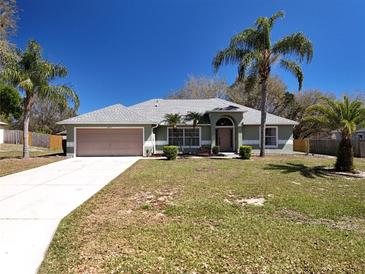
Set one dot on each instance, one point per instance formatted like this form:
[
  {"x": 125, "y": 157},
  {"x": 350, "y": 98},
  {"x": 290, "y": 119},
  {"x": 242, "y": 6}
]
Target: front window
[
  {"x": 192, "y": 137},
  {"x": 184, "y": 137},
  {"x": 176, "y": 136},
  {"x": 271, "y": 136}
]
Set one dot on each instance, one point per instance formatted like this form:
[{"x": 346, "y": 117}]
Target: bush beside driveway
[{"x": 277, "y": 214}]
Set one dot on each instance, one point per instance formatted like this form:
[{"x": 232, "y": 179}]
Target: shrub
[
  {"x": 215, "y": 150},
  {"x": 170, "y": 152},
  {"x": 245, "y": 152}
]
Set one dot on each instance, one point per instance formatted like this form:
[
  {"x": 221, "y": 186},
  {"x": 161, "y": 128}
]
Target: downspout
[{"x": 154, "y": 138}]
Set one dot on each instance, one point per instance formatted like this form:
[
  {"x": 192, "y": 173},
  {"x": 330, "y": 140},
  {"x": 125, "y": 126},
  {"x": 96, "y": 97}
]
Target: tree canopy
[
  {"x": 33, "y": 76},
  {"x": 11, "y": 106},
  {"x": 200, "y": 88},
  {"x": 8, "y": 16}
]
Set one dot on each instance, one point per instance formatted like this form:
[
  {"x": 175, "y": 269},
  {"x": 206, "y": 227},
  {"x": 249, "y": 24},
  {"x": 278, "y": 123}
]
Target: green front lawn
[{"x": 188, "y": 216}]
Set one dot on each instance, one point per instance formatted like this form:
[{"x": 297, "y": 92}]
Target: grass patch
[
  {"x": 185, "y": 216},
  {"x": 11, "y": 162}
]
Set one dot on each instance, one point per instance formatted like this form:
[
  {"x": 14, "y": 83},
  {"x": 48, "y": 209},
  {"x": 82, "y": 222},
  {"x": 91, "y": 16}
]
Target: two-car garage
[{"x": 109, "y": 141}]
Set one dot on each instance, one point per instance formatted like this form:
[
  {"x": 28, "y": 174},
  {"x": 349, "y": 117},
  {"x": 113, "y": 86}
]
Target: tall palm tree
[
  {"x": 33, "y": 75},
  {"x": 195, "y": 117},
  {"x": 254, "y": 53},
  {"x": 343, "y": 116},
  {"x": 173, "y": 120}
]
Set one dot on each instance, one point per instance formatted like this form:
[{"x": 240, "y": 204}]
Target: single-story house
[
  {"x": 358, "y": 135},
  {"x": 141, "y": 129},
  {"x": 2, "y": 131}
]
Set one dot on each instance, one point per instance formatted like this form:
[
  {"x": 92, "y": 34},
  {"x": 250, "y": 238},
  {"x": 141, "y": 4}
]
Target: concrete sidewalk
[{"x": 33, "y": 202}]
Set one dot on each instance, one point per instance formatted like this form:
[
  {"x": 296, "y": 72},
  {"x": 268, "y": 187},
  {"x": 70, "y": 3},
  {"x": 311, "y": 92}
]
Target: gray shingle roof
[
  {"x": 115, "y": 114},
  {"x": 156, "y": 109}
]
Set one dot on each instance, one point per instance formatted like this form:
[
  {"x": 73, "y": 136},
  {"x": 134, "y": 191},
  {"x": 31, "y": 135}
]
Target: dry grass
[
  {"x": 11, "y": 162},
  {"x": 173, "y": 217}
]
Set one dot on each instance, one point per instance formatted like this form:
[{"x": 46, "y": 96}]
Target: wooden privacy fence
[
  {"x": 53, "y": 142},
  {"x": 327, "y": 147},
  {"x": 301, "y": 145}
]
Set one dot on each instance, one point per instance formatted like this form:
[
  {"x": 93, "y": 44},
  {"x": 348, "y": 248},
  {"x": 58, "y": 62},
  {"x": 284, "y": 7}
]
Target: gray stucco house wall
[{"x": 251, "y": 137}]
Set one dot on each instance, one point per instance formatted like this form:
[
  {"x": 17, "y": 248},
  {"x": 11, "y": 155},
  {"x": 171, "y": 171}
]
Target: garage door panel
[{"x": 109, "y": 142}]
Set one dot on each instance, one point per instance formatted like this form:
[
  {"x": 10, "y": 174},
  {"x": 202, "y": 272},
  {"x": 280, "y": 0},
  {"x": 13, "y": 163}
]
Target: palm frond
[
  {"x": 344, "y": 116},
  {"x": 295, "y": 69},
  {"x": 193, "y": 116},
  {"x": 249, "y": 39},
  {"x": 12, "y": 75},
  {"x": 322, "y": 123},
  {"x": 275, "y": 16},
  {"x": 231, "y": 55},
  {"x": 296, "y": 44},
  {"x": 173, "y": 119},
  {"x": 61, "y": 93},
  {"x": 26, "y": 85},
  {"x": 248, "y": 63}
]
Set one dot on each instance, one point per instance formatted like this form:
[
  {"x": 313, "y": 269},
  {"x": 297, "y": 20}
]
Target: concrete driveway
[{"x": 33, "y": 202}]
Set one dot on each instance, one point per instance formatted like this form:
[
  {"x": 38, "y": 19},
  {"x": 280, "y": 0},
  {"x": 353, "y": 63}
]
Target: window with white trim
[
  {"x": 176, "y": 136},
  {"x": 187, "y": 137},
  {"x": 191, "y": 137},
  {"x": 271, "y": 136}
]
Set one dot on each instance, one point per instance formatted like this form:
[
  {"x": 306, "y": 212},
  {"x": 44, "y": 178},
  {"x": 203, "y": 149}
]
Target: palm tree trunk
[
  {"x": 27, "y": 108},
  {"x": 263, "y": 115},
  {"x": 345, "y": 155}
]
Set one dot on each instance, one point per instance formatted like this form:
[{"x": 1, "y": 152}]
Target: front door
[{"x": 225, "y": 139}]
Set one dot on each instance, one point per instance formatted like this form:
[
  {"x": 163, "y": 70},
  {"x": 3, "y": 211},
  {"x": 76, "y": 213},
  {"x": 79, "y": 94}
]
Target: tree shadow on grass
[{"x": 308, "y": 172}]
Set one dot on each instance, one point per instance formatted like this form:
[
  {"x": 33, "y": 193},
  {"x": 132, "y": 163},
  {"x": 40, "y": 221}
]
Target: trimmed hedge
[
  {"x": 170, "y": 152},
  {"x": 245, "y": 152},
  {"x": 216, "y": 150}
]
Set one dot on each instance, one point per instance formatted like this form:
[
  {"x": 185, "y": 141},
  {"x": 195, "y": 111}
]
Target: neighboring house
[
  {"x": 140, "y": 129},
  {"x": 2, "y": 131},
  {"x": 358, "y": 135}
]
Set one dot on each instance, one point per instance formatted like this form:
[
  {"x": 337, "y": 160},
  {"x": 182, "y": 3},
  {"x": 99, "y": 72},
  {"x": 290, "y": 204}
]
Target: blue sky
[{"x": 129, "y": 51}]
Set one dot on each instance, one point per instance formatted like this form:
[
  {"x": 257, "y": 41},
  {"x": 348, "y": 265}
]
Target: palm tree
[
  {"x": 343, "y": 116},
  {"x": 254, "y": 53},
  {"x": 173, "y": 120},
  {"x": 32, "y": 75},
  {"x": 195, "y": 117}
]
